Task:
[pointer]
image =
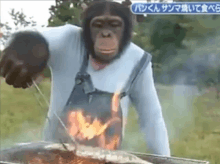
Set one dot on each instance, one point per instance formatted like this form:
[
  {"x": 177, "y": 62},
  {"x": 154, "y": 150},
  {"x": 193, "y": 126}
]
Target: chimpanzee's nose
[{"x": 106, "y": 34}]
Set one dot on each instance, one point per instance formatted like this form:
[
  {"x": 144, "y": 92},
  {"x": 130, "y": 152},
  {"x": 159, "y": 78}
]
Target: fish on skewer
[{"x": 56, "y": 153}]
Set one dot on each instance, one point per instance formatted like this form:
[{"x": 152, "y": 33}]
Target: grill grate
[{"x": 53, "y": 153}]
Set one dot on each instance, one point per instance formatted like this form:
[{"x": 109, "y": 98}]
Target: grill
[
  {"x": 54, "y": 153},
  {"x": 61, "y": 153}
]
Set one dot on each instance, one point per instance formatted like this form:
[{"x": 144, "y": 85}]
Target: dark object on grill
[{"x": 53, "y": 153}]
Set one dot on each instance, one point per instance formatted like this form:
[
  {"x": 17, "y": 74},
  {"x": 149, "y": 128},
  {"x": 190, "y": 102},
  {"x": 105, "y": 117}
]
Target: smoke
[{"x": 178, "y": 109}]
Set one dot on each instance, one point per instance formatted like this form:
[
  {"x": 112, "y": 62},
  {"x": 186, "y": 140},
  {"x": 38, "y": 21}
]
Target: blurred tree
[
  {"x": 206, "y": 58},
  {"x": 67, "y": 11},
  {"x": 170, "y": 36},
  {"x": 20, "y": 20},
  {"x": 165, "y": 34},
  {"x": 6, "y": 32},
  {"x": 70, "y": 11},
  {"x": 166, "y": 37}
]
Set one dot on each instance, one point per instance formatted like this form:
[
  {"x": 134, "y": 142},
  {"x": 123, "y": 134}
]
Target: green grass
[
  {"x": 193, "y": 122},
  {"x": 21, "y": 114}
]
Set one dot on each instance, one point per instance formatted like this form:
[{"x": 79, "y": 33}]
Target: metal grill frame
[{"x": 117, "y": 156}]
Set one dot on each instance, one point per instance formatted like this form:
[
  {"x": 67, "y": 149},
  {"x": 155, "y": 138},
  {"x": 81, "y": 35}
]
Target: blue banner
[{"x": 176, "y": 8}]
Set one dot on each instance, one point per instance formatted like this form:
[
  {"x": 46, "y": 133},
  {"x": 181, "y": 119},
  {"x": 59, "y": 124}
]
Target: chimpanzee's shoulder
[
  {"x": 60, "y": 31},
  {"x": 73, "y": 28},
  {"x": 134, "y": 52},
  {"x": 69, "y": 30}
]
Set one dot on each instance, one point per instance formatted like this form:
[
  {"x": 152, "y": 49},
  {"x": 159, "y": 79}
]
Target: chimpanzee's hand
[
  {"x": 24, "y": 59},
  {"x": 14, "y": 71}
]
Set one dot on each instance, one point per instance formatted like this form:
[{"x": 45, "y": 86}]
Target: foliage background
[{"x": 193, "y": 119}]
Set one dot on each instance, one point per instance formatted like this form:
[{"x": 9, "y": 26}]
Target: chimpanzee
[{"x": 96, "y": 72}]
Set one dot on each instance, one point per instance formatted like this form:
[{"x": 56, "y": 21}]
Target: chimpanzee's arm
[
  {"x": 59, "y": 39},
  {"x": 28, "y": 52},
  {"x": 144, "y": 97}
]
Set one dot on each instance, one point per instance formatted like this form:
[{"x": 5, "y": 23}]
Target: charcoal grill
[
  {"x": 54, "y": 153},
  {"x": 60, "y": 153}
]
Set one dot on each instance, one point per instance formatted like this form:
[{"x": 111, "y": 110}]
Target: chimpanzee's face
[
  {"x": 106, "y": 33},
  {"x": 107, "y": 30}
]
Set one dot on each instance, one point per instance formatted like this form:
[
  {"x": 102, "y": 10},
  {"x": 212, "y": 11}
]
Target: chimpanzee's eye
[
  {"x": 98, "y": 24},
  {"x": 115, "y": 24}
]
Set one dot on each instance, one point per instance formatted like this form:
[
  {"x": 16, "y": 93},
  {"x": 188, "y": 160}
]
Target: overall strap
[
  {"x": 84, "y": 64},
  {"x": 138, "y": 69},
  {"x": 83, "y": 77}
]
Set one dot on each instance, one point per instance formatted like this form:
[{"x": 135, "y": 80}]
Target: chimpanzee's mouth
[{"x": 107, "y": 51}]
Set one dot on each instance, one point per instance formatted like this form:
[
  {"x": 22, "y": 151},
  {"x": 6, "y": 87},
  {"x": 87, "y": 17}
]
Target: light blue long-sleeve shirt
[{"x": 66, "y": 50}]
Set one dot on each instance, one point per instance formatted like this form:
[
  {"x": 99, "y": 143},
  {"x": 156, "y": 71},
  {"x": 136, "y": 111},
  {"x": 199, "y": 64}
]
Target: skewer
[{"x": 55, "y": 113}]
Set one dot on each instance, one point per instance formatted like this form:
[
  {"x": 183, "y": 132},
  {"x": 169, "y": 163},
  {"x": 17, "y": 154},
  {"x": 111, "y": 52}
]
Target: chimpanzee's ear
[
  {"x": 126, "y": 3},
  {"x": 84, "y": 6}
]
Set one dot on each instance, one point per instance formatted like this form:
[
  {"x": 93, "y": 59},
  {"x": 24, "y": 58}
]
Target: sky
[{"x": 39, "y": 9}]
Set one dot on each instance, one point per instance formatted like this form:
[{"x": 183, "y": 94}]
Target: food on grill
[{"x": 53, "y": 153}]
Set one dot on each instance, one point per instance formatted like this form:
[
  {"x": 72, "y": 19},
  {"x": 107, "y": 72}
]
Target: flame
[
  {"x": 57, "y": 157},
  {"x": 83, "y": 128},
  {"x": 115, "y": 102}
]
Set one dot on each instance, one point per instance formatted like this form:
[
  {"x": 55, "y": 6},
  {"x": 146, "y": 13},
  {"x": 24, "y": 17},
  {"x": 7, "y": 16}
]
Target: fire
[
  {"x": 115, "y": 103},
  {"x": 58, "y": 157},
  {"x": 83, "y": 128}
]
